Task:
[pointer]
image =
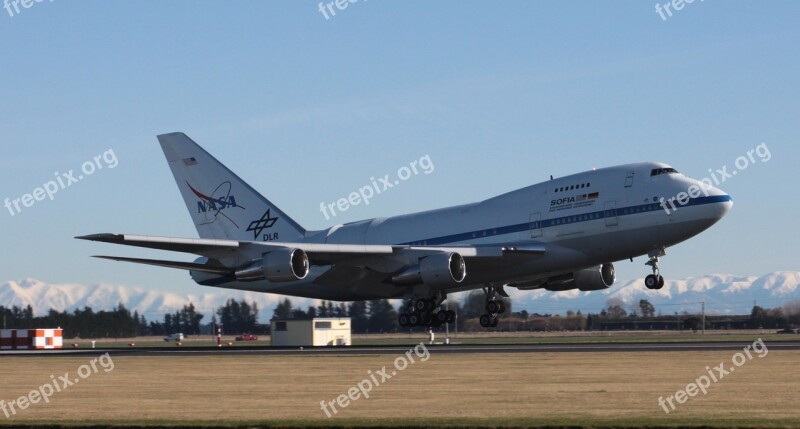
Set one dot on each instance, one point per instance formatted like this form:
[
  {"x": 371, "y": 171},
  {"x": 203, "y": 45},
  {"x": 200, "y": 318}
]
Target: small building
[
  {"x": 31, "y": 339},
  {"x": 319, "y": 331}
]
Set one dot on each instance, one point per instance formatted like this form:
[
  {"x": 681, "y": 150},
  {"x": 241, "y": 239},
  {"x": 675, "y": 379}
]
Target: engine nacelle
[
  {"x": 443, "y": 268},
  {"x": 596, "y": 278},
  {"x": 201, "y": 277},
  {"x": 283, "y": 265},
  {"x": 440, "y": 269}
]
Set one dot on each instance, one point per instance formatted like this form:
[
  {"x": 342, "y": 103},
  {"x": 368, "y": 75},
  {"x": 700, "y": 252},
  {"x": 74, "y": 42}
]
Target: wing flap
[{"x": 526, "y": 249}]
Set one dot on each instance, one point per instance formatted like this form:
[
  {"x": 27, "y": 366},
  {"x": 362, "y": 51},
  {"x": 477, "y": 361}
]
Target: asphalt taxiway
[{"x": 395, "y": 349}]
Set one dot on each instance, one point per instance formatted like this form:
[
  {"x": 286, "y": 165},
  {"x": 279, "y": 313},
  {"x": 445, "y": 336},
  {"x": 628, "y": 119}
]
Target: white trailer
[{"x": 319, "y": 331}]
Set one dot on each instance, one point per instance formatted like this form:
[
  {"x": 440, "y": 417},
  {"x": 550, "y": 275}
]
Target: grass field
[{"x": 595, "y": 389}]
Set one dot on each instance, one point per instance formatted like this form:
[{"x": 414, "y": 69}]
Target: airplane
[{"x": 557, "y": 235}]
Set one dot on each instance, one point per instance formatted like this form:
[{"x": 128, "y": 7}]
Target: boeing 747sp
[{"x": 561, "y": 234}]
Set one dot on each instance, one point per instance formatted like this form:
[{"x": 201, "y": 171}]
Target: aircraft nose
[
  {"x": 718, "y": 203},
  {"x": 723, "y": 205}
]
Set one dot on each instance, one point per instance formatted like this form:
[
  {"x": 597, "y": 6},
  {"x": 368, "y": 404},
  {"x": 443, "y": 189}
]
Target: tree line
[
  {"x": 365, "y": 316},
  {"x": 380, "y": 315},
  {"x": 236, "y": 317}
]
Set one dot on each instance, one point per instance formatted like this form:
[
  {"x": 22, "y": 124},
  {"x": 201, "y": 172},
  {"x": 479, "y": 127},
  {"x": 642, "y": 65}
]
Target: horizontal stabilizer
[{"x": 172, "y": 264}]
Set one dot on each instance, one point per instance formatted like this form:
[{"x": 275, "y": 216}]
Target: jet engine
[
  {"x": 281, "y": 265},
  {"x": 440, "y": 269},
  {"x": 595, "y": 278}
]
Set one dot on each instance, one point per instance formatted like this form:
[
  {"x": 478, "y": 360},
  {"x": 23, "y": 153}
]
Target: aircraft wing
[
  {"x": 318, "y": 253},
  {"x": 215, "y": 248}
]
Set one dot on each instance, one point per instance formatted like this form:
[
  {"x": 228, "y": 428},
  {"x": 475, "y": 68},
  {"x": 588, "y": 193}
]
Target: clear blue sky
[{"x": 499, "y": 94}]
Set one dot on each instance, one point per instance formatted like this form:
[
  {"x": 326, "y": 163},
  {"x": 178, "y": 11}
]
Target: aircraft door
[
  {"x": 536, "y": 224},
  {"x": 610, "y": 213},
  {"x": 629, "y": 179}
]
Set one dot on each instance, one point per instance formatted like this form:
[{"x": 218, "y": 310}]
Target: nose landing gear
[{"x": 655, "y": 280}]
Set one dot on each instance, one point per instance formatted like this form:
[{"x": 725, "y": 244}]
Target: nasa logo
[
  {"x": 219, "y": 200},
  {"x": 216, "y": 205}
]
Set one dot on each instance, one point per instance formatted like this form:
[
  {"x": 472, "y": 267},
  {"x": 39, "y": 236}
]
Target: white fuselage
[{"x": 586, "y": 219}]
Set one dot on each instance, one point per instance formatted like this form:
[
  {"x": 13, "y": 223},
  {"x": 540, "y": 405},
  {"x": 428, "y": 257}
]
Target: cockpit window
[{"x": 657, "y": 171}]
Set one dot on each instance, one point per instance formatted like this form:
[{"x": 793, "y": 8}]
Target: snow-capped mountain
[
  {"x": 722, "y": 294},
  {"x": 153, "y": 305}
]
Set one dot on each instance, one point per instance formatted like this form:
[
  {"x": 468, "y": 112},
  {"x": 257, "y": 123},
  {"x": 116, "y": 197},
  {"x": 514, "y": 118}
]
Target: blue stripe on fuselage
[{"x": 559, "y": 221}]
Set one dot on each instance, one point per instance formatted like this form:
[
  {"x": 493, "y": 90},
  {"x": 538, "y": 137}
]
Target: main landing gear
[
  {"x": 494, "y": 306},
  {"x": 422, "y": 312},
  {"x": 655, "y": 280}
]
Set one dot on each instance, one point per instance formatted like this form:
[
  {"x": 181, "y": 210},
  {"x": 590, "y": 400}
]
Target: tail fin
[{"x": 221, "y": 204}]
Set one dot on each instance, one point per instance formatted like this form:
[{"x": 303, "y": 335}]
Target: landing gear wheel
[
  {"x": 413, "y": 319},
  {"x": 425, "y": 319},
  {"x": 441, "y": 316},
  {"x": 655, "y": 280},
  {"x": 403, "y": 320},
  {"x": 494, "y": 306},
  {"x": 421, "y": 305}
]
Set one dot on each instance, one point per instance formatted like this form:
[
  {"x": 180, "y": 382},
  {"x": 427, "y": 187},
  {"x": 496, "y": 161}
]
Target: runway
[{"x": 399, "y": 349}]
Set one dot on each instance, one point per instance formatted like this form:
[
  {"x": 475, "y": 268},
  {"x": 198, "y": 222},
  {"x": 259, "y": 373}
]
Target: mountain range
[
  {"x": 721, "y": 293},
  {"x": 152, "y": 304}
]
